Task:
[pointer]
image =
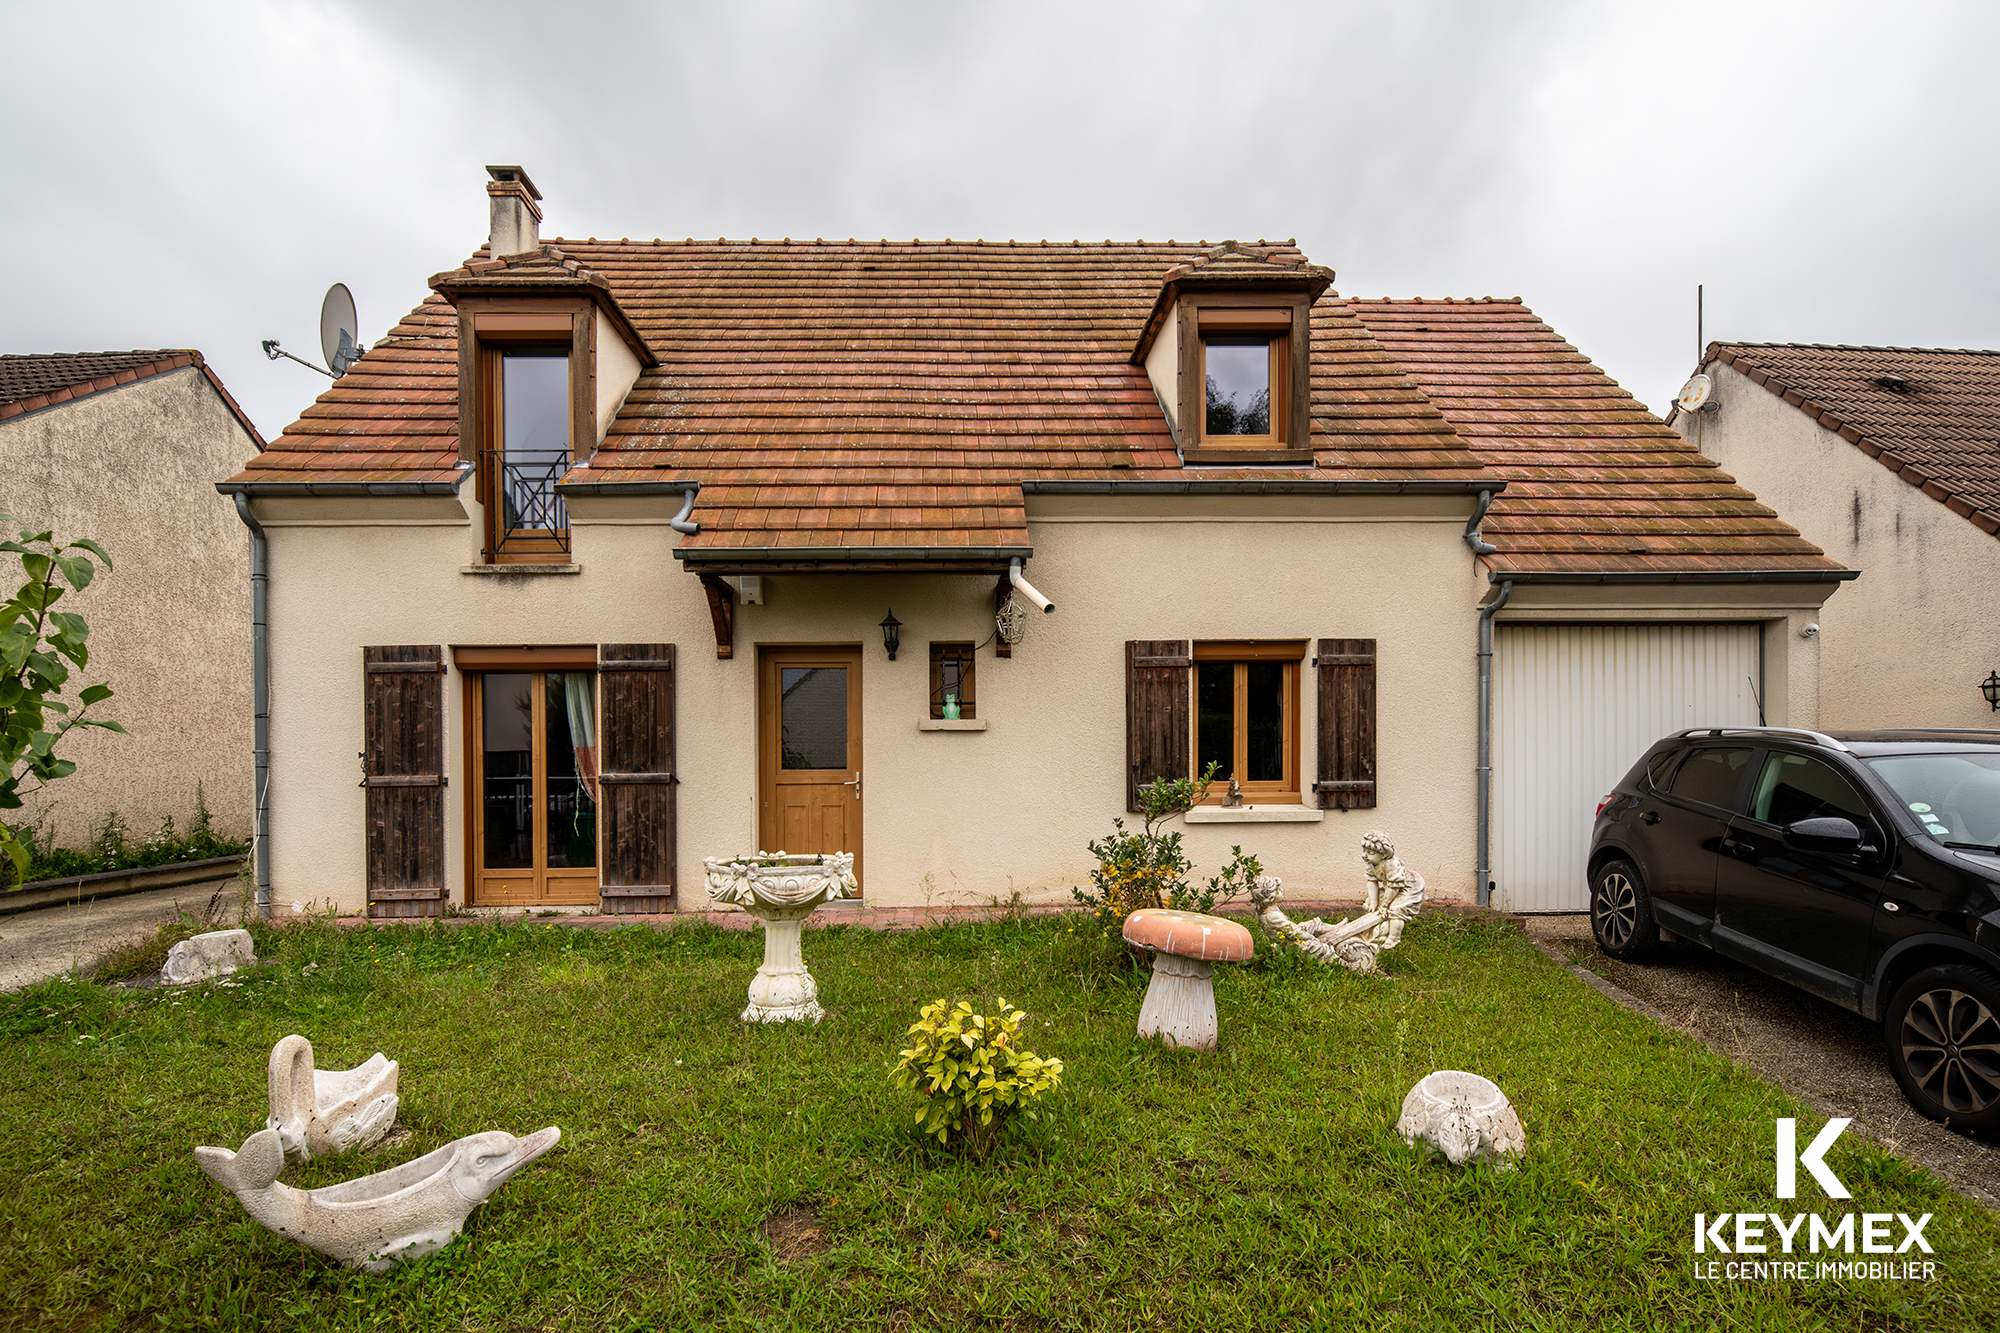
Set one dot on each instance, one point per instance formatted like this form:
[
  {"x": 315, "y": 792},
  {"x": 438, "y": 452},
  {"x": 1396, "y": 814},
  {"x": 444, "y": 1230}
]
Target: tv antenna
[{"x": 339, "y": 335}]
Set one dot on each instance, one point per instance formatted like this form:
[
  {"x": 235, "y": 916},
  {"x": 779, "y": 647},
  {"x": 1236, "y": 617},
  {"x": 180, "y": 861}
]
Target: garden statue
[
  {"x": 321, "y": 1112},
  {"x": 1395, "y": 892},
  {"x": 205, "y": 957},
  {"x": 1180, "y": 1000},
  {"x": 378, "y": 1221},
  {"x": 1464, "y": 1117},
  {"x": 782, "y": 891}
]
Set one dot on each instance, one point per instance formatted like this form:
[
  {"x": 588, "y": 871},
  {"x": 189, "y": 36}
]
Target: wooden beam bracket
[{"x": 721, "y": 610}]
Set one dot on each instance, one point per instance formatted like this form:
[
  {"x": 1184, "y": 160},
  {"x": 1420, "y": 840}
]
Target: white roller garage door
[{"x": 1574, "y": 706}]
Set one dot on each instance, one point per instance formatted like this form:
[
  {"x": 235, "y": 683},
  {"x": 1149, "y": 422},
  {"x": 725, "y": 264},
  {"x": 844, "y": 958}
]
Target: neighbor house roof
[
  {"x": 34, "y": 382},
  {"x": 1932, "y": 416},
  {"x": 1595, "y": 481},
  {"x": 894, "y": 398}
]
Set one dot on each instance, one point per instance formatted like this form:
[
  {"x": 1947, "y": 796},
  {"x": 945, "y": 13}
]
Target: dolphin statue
[
  {"x": 377, "y": 1221},
  {"x": 323, "y": 1112}
]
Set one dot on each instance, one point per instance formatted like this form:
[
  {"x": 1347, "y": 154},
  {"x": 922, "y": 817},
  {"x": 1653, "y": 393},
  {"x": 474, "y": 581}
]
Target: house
[
  {"x": 1888, "y": 458},
  {"x": 616, "y": 555},
  {"x": 124, "y": 448}
]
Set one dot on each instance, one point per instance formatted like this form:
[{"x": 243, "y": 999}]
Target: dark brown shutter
[
  {"x": 402, "y": 765},
  {"x": 636, "y": 804},
  {"x": 1346, "y": 724},
  {"x": 1157, "y": 718}
]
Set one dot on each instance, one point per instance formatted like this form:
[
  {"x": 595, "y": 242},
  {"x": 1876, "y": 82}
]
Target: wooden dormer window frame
[{"x": 1285, "y": 320}]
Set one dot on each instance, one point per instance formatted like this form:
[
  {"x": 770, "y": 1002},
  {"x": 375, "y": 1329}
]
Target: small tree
[
  {"x": 34, "y": 641},
  {"x": 1150, "y": 869}
]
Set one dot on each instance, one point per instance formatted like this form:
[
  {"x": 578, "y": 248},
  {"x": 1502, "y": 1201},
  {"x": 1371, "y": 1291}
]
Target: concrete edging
[{"x": 115, "y": 883}]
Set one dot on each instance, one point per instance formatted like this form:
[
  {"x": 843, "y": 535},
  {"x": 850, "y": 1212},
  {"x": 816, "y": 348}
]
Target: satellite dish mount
[{"x": 339, "y": 335}]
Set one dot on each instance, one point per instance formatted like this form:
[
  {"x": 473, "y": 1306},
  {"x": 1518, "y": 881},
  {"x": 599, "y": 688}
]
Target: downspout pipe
[
  {"x": 679, "y": 522},
  {"x": 1483, "y": 874},
  {"x": 260, "y": 694},
  {"x": 1028, "y": 589},
  {"x": 1479, "y": 545}
]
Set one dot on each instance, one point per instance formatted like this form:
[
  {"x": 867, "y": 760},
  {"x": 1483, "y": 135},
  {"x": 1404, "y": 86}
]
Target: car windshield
[{"x": 1955, "y": 796}]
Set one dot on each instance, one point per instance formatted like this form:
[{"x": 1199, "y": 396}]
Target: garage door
[{"x": 1574, "y": 706}]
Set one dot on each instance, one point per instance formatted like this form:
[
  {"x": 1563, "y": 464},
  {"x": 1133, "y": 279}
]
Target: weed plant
[
  {"x": 718, "y": 1174},
  {"x": 112, "y": 846}
]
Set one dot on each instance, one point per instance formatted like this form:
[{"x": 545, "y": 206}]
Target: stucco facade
[
  {"x": 1906, "y": 644},
  {"x": 134, "y": 467}
]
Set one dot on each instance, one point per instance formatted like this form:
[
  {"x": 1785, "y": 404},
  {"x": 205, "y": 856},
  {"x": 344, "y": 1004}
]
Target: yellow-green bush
[{"x": 972, "y": 1072}]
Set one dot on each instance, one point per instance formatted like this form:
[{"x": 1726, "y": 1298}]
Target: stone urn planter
[{"x": 782, "y": 891}]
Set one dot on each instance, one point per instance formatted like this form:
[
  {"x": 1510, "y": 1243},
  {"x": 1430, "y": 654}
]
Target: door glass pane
[
  {"x": 507, "y": 743},
  {"x": 813, "y": 717},
  {"x": 1239, "y": 384},
  {"x": 1265, "y": 687},
  {"x": 1215, "y": 718},
  {"x": 1793, "y": 787},
  {"x": 570, "y": 763},
  {"x": 1711, "y": 777},
  {"x": 534, "y": 388}
]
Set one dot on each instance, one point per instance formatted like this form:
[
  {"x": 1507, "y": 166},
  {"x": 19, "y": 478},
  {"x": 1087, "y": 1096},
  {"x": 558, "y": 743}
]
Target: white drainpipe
[{"x": 1028, "y": 589}]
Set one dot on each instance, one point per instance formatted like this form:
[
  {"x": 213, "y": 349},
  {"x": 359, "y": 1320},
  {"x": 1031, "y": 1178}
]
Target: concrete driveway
[
  {"x": 50, "y": 940},
  {"x": 1818, "y": 1052}
]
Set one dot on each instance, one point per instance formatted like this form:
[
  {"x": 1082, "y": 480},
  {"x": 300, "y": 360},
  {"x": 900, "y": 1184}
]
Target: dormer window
[
  {"x": 1245, "y": 365},
  {"x": 533, "y": 429}
]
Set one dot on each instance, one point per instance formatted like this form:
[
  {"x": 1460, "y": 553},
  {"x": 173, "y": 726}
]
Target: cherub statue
[{"x": 1395, "y": 891}]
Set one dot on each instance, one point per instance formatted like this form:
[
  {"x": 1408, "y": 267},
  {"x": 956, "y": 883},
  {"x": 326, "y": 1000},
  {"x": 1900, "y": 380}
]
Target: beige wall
[
  {"x": 135, "y": 469},
  {"x": 1908, "y": 642},
  {"x": 958, "y": 816}
]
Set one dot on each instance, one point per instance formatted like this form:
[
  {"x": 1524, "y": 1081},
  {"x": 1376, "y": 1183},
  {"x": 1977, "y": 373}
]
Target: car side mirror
[{"x": 1827, "y": 834}]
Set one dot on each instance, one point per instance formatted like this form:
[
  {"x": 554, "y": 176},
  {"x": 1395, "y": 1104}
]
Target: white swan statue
[
  {"x": 322, "y": 1112},
  {"x": 378, "y": 1221}
]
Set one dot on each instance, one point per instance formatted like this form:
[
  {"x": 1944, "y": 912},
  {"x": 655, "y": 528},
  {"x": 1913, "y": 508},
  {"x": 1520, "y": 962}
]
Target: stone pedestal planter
[{"x": 782, "y": 891}]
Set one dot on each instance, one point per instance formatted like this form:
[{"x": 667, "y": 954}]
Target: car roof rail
[{"x": 1818, "y": 738}]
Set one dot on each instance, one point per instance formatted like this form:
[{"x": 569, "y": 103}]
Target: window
[
  {"x": 1245, "y": 366},
  {"x": 1246, "y": 718},
  {"x": 1794, "y": 787},
  {"x": 530, "y": 453},
  {"x": 1711, "y": 776},
  {"x": 951, "y": 680}
]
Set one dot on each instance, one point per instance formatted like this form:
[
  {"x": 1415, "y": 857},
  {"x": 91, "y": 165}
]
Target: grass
[{"x": 713, "y": 1174}]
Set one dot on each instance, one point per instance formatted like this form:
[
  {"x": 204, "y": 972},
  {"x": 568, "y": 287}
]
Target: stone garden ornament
[
  {"x": 204, "y": 957},
  {"x": 378, "y": 1221},
  {"x": 321, "y": 1112},
  {"x": 1395, "y": 892},
  {"x": 1180, "y": 1000},
  {"x": 1464, "y": 1118},
  {"x": 782, "y": 891}
]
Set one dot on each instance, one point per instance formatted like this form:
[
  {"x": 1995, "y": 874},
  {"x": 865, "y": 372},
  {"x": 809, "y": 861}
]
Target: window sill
[
  {"x": 1228, "y": 456},
  {"x": 503, "y": 571},
  {"x": 1254, "y": 814},
  {"x": 956, "y": 724}
]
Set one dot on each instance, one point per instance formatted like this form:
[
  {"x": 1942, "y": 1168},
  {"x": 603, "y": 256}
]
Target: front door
[
  {"x": 534, "y": 800},
  {"x": 809, "y": 751}
]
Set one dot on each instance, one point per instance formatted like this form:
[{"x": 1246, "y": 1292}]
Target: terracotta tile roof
[
  {"x": 1595, "y": 482},
  {"x": 1932, "y": 416},
  {"x": 37, "y": 381}
]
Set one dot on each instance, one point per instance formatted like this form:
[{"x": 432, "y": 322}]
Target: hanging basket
[{"x": 1011, "y": 620}]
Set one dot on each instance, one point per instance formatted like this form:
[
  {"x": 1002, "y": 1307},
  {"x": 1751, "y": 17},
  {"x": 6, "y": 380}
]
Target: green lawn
[{"x": 713, "y": 1174}]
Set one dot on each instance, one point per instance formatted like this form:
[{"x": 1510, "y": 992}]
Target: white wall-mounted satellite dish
[
  {"x": 339, "y": 330},
  {"x": 1696, "y": 393}
]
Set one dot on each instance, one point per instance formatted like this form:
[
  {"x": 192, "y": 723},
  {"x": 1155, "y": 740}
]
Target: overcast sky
[{"x": 195, "y": 175}]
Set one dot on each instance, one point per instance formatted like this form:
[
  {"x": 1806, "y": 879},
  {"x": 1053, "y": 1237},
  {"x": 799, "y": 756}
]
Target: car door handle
[
  {"x": 1735, "y": 848},
  {"x": 1650, "y": 817}
]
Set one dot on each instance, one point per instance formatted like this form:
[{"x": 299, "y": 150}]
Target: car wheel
[
  {"x": 1621, "y": 912},
  {"x": 1943, "y": 1031}
]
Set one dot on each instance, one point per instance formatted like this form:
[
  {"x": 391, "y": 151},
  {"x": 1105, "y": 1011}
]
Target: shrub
[
  {"x": 972, "y": 1072},
  {"x": 1149, "y": 868},
  {"x": 113, "y": 848}
]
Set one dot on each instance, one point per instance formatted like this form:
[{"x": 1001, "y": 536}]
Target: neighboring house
[
  {"x": 1889, "y": 459},
  {"x": 592, "y": 561},
  {"x": 124, "y": 448}
]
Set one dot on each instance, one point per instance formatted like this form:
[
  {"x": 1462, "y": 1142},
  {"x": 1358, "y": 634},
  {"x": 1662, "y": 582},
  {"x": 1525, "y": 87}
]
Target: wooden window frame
[
  {"x": 1288, "y": 318},
  {"x": 968, "y": 678},
  {"x": 1242, "y": 652},
  {"x": 473, "y": 702}
]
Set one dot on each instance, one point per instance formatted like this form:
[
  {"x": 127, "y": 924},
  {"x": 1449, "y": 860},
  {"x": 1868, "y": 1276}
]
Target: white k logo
[{"x": 1789, "y": 1159}]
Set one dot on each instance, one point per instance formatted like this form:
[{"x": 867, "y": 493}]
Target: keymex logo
[{"x": 1810, "y": 1234}]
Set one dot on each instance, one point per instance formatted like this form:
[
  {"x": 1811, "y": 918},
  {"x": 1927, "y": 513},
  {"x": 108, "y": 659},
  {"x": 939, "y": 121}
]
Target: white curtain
[{"x": 580, "y": 695}]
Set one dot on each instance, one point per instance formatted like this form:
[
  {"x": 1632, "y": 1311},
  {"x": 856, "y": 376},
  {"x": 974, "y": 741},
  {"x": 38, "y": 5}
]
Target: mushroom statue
[{"x": 1180, "y": 1001}]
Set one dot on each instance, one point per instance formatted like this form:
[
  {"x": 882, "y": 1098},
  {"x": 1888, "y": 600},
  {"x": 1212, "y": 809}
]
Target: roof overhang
[
  {"x": 1299, "y": 486},
  {"x": 719, "y": 560},
  {"x": 1662, "y": 576},
  {"x": 254, "y": 489}
]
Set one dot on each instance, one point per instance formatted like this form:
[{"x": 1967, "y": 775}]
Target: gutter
[
  {"x": 1483, "y": 872},
  {"x": 737, "y": 554},
  {"x": 260, "y": 693},
  {"x": 1300, "y": 486},
  {"x": 289, "y": 488},
  {"x": 1479, "y": 545},
  {"x": 1644, "y": 576}
]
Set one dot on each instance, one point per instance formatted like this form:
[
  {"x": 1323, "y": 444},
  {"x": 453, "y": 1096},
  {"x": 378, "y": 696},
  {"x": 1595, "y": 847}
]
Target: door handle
[
  {"x": 1650, "y": 817},
  {"x": 856, "y": 784}
]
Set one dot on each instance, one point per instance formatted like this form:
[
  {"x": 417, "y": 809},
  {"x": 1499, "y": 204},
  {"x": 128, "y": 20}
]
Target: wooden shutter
[
  {"x": 1158, "y": 722},
  {"x": 1346, "y": 724},
  {"x": 636, "y": 805},
  {"x": 402, "y": 765}
]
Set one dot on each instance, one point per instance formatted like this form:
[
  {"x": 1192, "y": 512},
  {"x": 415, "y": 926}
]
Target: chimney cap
[{"x": 507, "y": 173}]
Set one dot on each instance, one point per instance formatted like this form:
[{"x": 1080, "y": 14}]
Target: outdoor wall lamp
[
  {"x": 1990, "y": 687},
  {"x": 892, "y": 634}
]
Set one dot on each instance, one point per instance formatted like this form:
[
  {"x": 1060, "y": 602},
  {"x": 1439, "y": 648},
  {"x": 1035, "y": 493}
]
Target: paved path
[
  {"x": 50, "y": 940},
  {"x": 1820, "y": 1053}
]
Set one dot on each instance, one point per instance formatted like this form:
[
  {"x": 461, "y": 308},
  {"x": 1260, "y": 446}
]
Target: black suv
[{"x": 1863, "y": 867}]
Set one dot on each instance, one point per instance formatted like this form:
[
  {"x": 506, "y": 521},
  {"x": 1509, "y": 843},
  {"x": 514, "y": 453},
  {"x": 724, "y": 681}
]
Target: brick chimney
[{"x": 517, "y": 222}]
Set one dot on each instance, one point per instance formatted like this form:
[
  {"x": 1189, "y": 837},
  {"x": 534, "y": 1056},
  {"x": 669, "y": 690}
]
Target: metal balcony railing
[{"x": 529, "y": 515}]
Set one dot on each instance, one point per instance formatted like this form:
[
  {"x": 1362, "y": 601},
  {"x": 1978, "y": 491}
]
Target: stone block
[{"x": 205, "y": 957}]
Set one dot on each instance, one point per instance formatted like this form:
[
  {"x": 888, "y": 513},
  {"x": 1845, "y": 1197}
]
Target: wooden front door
[
  {"x": 809, "y": 751},
  {"x": 534, "y": 798}
]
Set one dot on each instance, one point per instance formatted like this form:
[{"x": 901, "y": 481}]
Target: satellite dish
[
  {"x": 339, "y": 330},
  {"x": 1695, "y": 393}
]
